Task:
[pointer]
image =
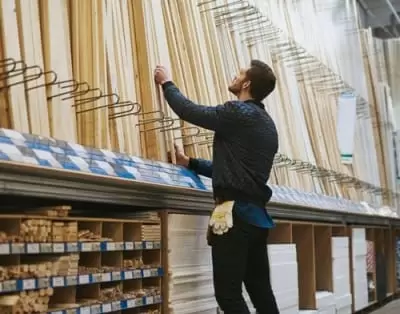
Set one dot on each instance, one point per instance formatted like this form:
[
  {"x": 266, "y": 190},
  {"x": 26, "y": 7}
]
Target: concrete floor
[{"x": 391, "y": 308}]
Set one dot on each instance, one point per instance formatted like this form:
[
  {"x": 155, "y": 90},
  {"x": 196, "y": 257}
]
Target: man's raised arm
[
  {"x": 201, "y": 166},
  {"x": 221, "y": 118}
]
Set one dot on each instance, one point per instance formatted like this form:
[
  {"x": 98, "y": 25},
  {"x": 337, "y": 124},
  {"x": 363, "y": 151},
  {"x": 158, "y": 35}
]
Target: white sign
[{"x": 346, "y": 125}]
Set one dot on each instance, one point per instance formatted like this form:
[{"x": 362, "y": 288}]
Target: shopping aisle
[{"x": 392, "y": 308}]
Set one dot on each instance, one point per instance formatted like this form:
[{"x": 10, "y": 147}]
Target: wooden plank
[
  {"x": 303, "y": 237},
  {"x": 17, "y": 102},
  {"x": 323, "y": 255},
  {"x": 31, "y": 42},
  {"x": 142, "y": 20},
  {"x": 57, "y": 57},
  {"x": 165, "y": 260},
  {"x": 282, "y": 233}
]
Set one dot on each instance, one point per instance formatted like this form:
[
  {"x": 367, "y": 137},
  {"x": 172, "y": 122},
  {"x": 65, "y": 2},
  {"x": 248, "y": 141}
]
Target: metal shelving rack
[{"x": 139, "y": 185}]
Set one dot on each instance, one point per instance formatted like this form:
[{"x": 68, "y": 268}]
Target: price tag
[
  {"x": 131, "y": 303},
  {"x": 154, "y": 272},
  {"x": 43, "y": 283},
  {"x": 138, "y": 245},
  {"x": 110, "y": 246},
  {"x": 128, "y": 275},
  {"x": 149, "y": 245},
  {"x": 28, "y": 284},
  {"x": 119, "y": 246},
  {"x": 149, "y": 300},
  {"x": 95, "y": 309},
  {"x": 116, "y": 306},
  {"x": 97, "y": 278},
  {"x": 157, "y": 299},
  {"x": 116, "y": 276},
  {"x": 58, "y": 282},
  {"x": 57, "y": 312},
  {"x": 86, "y": 246},
  {"x": 58, "y": 247},
  {"x": 46, "y": 248},
  {"x": 4, "y": 249},
  {"x": 157, "y": 245},
  {"x": 84, "y": 279},
  {"x": 32, "y": 248},
  {"x": 72, "y": 247},
  {"x": 85, "y": 310},
  {"x": 106, "y": 277},
  {"x": 146, "y": 273},
  {"x": 137, "y": 274},
  {"x": 9, "y": 285},
  {"x": 129, "y": 246},
  {"x": 139, "y": 301},
  {"x": 72, "y": 280},
  {"x": 17, "y": 248},
  {"x": 96, "y": 246},
  {"x": 106, "y": 308}
]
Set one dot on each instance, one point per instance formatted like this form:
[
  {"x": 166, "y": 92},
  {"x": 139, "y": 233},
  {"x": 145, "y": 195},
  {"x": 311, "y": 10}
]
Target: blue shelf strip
[
  {"x": 72, "y": 247},
  {"x": 67, "y": 281},
  {"x": 47, "y": 152},
  {"x": 112, "y": 306}
]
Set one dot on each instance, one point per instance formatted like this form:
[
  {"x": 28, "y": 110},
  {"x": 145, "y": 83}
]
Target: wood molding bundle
[{"x": 104, "y": 53}]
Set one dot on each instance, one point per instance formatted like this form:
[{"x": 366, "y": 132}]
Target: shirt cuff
[
  {"x": 193, "y": 164},
  {"x": 166, "y": 85}
]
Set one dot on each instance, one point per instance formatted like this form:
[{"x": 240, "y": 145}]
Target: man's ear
[{"x": 246, "y": 85}]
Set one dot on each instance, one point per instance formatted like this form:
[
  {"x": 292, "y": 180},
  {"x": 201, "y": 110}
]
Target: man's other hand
[
  {"x": 161, "y": 75},
  {"x": 181, "y": 158}
]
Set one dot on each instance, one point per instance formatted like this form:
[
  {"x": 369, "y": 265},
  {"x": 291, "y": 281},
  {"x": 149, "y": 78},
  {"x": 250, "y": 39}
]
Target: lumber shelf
[
  {"x": 52, "y": 184},
  {"x": 54, "y": 262}
]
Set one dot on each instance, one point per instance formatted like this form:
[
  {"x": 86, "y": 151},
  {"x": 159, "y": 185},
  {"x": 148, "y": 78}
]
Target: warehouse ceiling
[{"x": 383, "y": 16}]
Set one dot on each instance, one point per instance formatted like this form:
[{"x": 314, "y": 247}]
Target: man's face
[{"x": 239, "y": 83}]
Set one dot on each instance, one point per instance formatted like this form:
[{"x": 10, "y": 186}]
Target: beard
[{"x": 235, "y": 88}]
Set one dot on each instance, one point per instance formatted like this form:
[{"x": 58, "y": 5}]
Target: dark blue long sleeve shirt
[{"x": 244, "y": 147}]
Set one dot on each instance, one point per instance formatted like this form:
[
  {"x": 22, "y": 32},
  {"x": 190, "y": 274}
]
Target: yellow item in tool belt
[{"x": 221, "y": 219}]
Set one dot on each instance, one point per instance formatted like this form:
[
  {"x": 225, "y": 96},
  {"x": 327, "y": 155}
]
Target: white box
[
  {"x": 338, "y": 252},
  {"x": 284, "y": 277},
  {"x": 324, "y": 299},
  {"x": 343, "y": 301},
  {"x": 292, "y": 310},
  {"x": 340, "y": 241},
  {"x": 328, "y": 310},
  {"x": 344, "y": 310},
  {"x": 359, "y": 248},
  {"x": 282, "y": 253},
  {"x": 287, "y": 299},
  {"x": 360, "y": 300},
  {"x": 341, "y": 267},
  {"x": 358, "y": 233},
  {"x": 341, "y": 287}
]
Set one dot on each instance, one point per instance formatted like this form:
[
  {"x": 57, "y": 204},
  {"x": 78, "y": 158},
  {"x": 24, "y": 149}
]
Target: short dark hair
[{"x": 262, "y": 80}]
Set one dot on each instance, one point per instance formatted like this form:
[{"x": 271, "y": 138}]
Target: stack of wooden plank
[
  {"x": 104, "y": 53},
  {"x": 26, "y": 302},
  {"x": 151, "y": 232}
]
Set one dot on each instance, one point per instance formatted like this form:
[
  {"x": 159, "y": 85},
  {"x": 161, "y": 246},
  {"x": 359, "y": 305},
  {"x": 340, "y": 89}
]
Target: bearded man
[{"x": 245, "y": 143}]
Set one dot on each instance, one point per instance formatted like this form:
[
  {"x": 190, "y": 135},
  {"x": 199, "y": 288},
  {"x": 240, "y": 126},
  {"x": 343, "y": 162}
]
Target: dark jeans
[{"x": 240, "y": 256}]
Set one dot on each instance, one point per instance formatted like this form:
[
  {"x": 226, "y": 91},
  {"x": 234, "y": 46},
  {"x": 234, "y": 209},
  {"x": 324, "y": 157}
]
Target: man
[{"x": 245, "y": 143}]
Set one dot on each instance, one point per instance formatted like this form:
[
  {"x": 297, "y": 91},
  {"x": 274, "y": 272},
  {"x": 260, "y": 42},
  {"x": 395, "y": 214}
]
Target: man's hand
[
  {"x": 181, "y": 158},
  {"x": 161, "y": 75}
]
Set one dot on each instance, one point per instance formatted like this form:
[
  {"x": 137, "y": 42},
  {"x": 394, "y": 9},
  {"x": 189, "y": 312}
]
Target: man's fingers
[{"x": 178, "y": 149}]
